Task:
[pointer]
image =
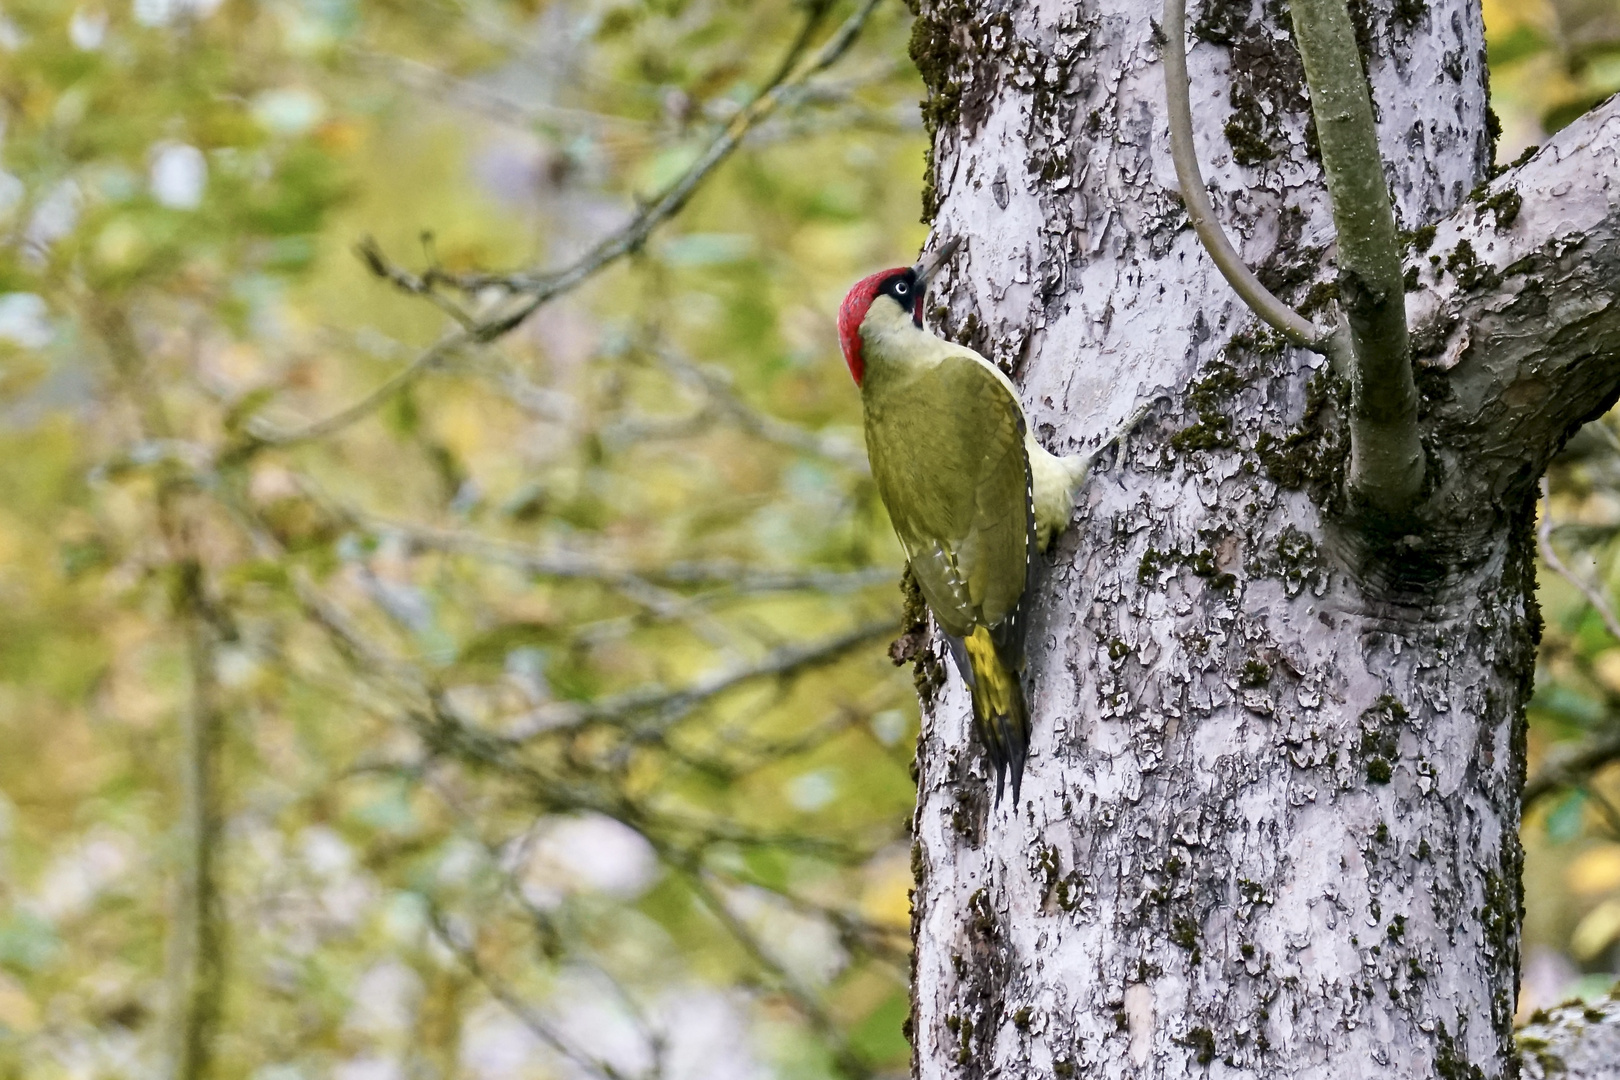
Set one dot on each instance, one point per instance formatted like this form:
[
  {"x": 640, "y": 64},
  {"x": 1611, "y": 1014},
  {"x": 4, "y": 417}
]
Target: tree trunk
[{"x": 1270, "y": 817}]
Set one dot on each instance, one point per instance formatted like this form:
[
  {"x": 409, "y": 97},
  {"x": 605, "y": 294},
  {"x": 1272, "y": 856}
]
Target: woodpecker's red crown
[
  {"x": 905, "y": 285},
  {"x": 898, "y": 283}
]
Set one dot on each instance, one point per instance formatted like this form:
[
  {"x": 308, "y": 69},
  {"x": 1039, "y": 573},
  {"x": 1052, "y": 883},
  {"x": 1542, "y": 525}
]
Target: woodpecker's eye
[{"x": 901, "y": 288}]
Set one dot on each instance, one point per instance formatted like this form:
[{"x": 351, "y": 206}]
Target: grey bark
[
  {"x": 1573, "y": 1040},
  {"x": 1269, "y": 826}
]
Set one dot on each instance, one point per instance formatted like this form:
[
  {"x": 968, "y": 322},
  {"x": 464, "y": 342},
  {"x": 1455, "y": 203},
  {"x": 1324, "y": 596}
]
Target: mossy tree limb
[{"x": 1386, "y": 469}]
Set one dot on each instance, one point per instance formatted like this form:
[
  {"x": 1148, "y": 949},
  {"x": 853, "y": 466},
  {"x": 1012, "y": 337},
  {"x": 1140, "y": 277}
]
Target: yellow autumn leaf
[
  {"x": 885, "y": 900},
  {"x": 1595, "y": 871},
  {"x": 17, "y": 1010},
  {"x": 1596, "y": 931}
]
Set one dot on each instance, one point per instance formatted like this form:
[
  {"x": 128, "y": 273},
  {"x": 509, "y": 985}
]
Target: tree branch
[
  {"x": 560, "y": 563},
  {"x": 1276, "y": 314},
  {"x": 1386, "y": 458},
  {"x": 197, "y": 945},
  {"x": 1519, "y": 314},
  {"x": 196, "y": 960},
  {"x": 528, "y": 1015},
  {"x": 1572, "y": 767},
  {"x": 530, "y": 291},
  {"x": 660, "y": 707},
  {"x": 1387, "y": 462},
  {"x": 803, "y": 998}
]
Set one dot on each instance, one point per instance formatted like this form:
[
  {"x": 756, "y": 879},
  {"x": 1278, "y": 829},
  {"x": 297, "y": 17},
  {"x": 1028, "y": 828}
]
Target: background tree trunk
[{"x": 1270, "y": 819}]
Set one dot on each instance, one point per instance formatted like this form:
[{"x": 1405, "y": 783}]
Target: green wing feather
[
  {"x": 946, "y": 443},
  {"x": 947, "y": 451}
]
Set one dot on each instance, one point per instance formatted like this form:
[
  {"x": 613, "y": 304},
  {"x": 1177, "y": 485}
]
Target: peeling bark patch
[
  {"x": 1139, "y": 1015},
  {"x": 1381, "y": 727},
  {"x": 1268, "y": 79}
]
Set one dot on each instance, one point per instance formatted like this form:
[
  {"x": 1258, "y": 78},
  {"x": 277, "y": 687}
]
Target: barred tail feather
[{"x": 1000, "y": 714}]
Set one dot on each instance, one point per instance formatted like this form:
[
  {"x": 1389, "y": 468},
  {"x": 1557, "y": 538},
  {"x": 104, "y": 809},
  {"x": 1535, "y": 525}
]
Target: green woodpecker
[{"x": 971, "y": 494}]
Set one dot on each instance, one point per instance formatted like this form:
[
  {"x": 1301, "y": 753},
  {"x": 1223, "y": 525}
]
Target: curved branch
[
  {"x": 1261, "y": 300},
  {"x": 1550, "y": 556},
  {"x": 805, "y": 1000},
  {"x": 530, "y": 1017},
  {"x": 653, "y": 709}
]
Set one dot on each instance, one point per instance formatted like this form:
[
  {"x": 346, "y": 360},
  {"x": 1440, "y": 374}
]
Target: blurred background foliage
[
  {"x": 508, "y": 699},
  {"x": 1551, "y": 61},
  {"x": 534, "y": 703}
]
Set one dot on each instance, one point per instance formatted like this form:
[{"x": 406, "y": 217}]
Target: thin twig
[
  {"x": 562, "y": 564},
  {"x": 1370, "y": 339},
  {"x": 1544, "y": 544},
  {"x": 718, "y": 388},
  {"x": 544, "y": 286},
  {"x": 438, "y": 85},
  {"x": 531, "y": 291},
  {"x": 264, "y": 433},
  {"x": 653, "y": 709},
  {"x": 1276, "y": 314},
  {"x": 803, "y": 998},
  {"x": 743, "y": 754},
  {"x": 1606, "y": 809},
  {"x": 527, "y": 1014},
  {"x": 422, "y": 285}
]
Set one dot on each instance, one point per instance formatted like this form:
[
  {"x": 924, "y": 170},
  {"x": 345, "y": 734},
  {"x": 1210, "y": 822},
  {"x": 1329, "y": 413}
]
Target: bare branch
[
  {"x": 1276, "y": 314},
  {"x": 734, "y": 576},
  {"x": 1520, "y": 310},
  {"x": 264, "y": 433},
  {"x": 1386, "y": 457},
  {"x": 1572, "y": 766},
  {"x": 530, "y": 291},
  {"x": 1606, "y": 809},
  {"x": 1593, "y": 596},
  {"x": 530, "y": 1017},
  {"x": 437, "y": 85},
  {"x": 714, "y": 383},
  {"x": 803, "y": 998},
  {"x": 415, "y": 284},
  {"x": 539, "y": 288},
  {"x": 196, "y": 945},
  {"x": 856, "y": 933},
  {"x": 197, "y": 949},
  {"x": 655, "y": 708},
  {"x": 734, "y": 753}
]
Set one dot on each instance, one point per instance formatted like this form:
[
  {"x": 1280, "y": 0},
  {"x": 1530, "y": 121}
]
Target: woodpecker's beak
[{"x": 929, "y": 265}]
